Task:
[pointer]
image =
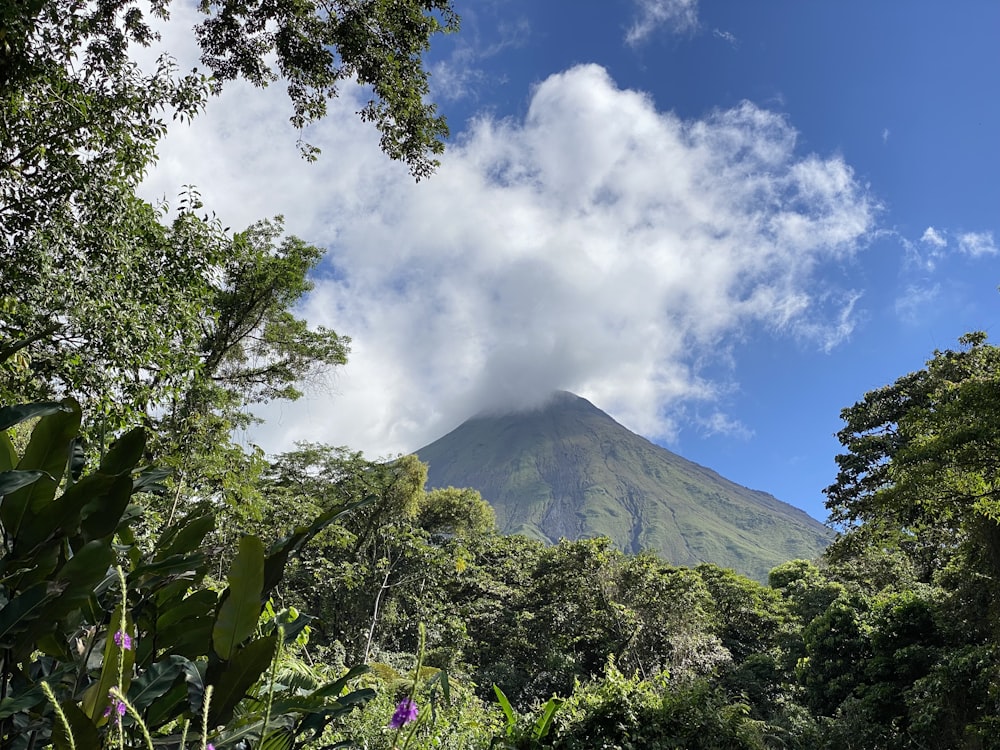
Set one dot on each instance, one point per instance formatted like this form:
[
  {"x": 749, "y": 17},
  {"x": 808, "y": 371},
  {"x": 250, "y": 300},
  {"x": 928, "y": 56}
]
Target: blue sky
[{"x": 721, "y": 222}]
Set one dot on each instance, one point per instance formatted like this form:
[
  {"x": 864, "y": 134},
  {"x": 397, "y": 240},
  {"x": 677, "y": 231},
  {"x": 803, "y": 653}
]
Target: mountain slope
[{"x": 569, "y": 470}]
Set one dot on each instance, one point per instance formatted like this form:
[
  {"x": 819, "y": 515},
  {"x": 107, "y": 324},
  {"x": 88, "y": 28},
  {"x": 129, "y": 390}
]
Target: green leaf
[
  {"x": 239, "y": 675},
  {"x": 18, "y": 703},
  {"x": 167, "y": 569},
  {"x": 170, "y": 706},
  {"x": 277, "y": 558},
  {"x": 23, "y": 610},
  {"x": 199, "y": 604},
  {"x": 149, "y": 480},
  {"x": 12, "y": 415},
  {"x": 124, "y": 453},
  {"x": 183, "y": 537},
  {"x": 63, "y": 515},
  {"x": 544, "y": 722},
  {"x": 442, "y": 677},
  {"x": 316, "y": 720},
  {"x": 95, "y": 699},
  {"x": 240, "y": 606},
  {"x": 282, "y": 739},
  {"x": 334, "y": 689},
  {"x": 47, "y": 451},
  {"x": 507, "y": 709},
  {"x": 77, "y": 458},
  {"x": 103, "y": 514},
  {"x": 15, "y": 480},
  {"x": 157, "y": 680},
  {"x": 85, "y": 735},
  {"x": 8, "y": 456}
]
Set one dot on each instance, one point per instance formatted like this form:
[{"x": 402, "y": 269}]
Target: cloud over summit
[{"x": 599, "y": 245}]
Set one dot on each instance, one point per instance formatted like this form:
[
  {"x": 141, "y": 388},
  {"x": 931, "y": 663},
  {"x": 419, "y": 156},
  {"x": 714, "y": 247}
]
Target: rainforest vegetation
[{"x": 163, "y": 586}]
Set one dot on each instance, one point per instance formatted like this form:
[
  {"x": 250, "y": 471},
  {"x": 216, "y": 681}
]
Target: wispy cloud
[
  {"x": 719, "y": 423},
  {"x": 977, "y": 244},
  {"x": 726, "y": 36},
  {"x": 597, "y": 245},
  {"x": 885, "y": 135},
  {"x": 462, "y": 73},
  {"x": 934, "y": 238},
  {"x": 912, "y": 306},
  {"x": 652, "y": 15}
]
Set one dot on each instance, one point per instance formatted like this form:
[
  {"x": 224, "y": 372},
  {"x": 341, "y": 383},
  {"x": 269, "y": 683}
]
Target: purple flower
[
  {"x": 406, "y": 712},
  {"x": 123, "y": 640},
  {"x": 118, "y": 707}
]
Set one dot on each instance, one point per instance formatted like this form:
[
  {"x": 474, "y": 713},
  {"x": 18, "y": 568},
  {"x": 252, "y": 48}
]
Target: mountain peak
[{"x": 567, "y": 469}]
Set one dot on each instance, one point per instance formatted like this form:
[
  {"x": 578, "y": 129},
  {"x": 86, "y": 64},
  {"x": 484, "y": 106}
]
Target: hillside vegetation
[{"x": 567, "y": 470}]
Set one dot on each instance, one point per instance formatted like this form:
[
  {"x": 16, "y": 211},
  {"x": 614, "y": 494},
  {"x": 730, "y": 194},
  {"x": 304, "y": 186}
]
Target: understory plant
[{"x": 106, "y": 644}]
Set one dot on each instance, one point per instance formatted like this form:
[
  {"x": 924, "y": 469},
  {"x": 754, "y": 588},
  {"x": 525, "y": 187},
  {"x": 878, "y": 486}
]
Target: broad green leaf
[
  {"x": 282, "y": 739},
  {"x": 77, "y": 459},
  {"x": 334, "y": 689},
  {"x": 168, "y": 569},
  {"x": 149, "y": 479},
  {"x": 15, "y": 480},
  {"x": 12, "y": 415},
  {"x": 199, "y": 604},
  {"x": 156, "y": 681},
  {"x": 63, "y": 515},
  {"x": 507, "y": 709},
  {"x": 8, "y": 456},
  {"x": 239, "y": 609},
  {"x": 181, "y": 699},
  {"x": 238, "y": 676},
  {"x": 17, "y": 703},
  {"x": 194, "y": 676},
  {"x": 95, "y": 700},
  {"x": 168, "y": 707},
  {"x": 83, "y": 571},
  {"x": 124, "y": 453},
  {"x": 103, "y": 514},
  {"x": 47, "y": 451},
  {"x": 23, "y": 610},
  {"x": 544, "y": 722},
  {"x": 183, "y": 537}
]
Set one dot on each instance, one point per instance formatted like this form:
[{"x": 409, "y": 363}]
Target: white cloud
[
  {"x": 934, "y": 238},
  {"x": 885, "y": 135},
  {"x": 599, "y": 245},
  {"x": 726, "y": 36},
  {"x": 719, "y": 423},
  {"x": 977, "y": 244},
  {"x": 912, "y": 307},
  {"x": 651, "y": 15}
]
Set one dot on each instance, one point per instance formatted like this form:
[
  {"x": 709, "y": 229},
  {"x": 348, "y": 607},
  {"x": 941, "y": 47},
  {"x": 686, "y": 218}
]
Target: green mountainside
[{"x": 569, "y": 470}]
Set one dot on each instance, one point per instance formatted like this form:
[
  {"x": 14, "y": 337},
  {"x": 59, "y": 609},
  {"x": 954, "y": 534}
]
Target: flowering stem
[
  {"x": 117, "y": 695},
  {"x": 47, "y": 689},
  {"x": 409, "y": 702},
  {"x": 204, "y": 717}
]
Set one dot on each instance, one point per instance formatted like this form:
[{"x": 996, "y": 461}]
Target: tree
[
  {"x": 455, "y": 512},
  {"x": 104, "y": 293},
  {"x": 315, "y": 46},
  {"x": 918, "y": 498},
  {"x": 922, "y": 471}
]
